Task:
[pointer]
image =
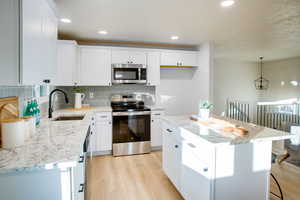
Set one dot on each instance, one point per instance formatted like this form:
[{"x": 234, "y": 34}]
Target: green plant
[
  {"x": 77, "y": 89},
  {"x": 206, "y": 105}
]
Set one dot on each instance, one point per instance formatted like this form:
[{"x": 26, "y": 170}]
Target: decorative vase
[
  {"x": 79, "y": 97},
  {"x": 204, "y": 113}
]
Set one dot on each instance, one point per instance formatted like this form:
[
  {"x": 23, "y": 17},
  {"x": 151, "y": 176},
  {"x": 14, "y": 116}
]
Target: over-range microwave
[{"x": 129, "y": 74}]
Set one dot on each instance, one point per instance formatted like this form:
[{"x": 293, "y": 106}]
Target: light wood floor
[{"x": 140, "y": 177}]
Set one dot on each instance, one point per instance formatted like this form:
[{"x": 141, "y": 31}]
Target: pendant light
[{"x": 261, "y": 83}]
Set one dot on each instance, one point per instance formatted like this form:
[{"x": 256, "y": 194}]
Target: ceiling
[{"x": 245, "y": 31}]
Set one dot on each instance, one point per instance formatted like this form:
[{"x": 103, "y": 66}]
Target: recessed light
[
  {"x": 174, "y": 37},
  {"x": 65, "y": 20},
  {"x": 227, "y": 3},
  {"x": 102, "y": 32}
]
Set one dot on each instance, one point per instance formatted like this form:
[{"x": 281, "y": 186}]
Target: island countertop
[
  {"x": 54, "y": 142},
  {"x": 215, "y": 137}
]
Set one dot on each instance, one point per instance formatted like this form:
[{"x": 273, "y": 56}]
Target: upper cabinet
[
  {"x": 179, "y": 58},
  {"x": 129, "y": 57},
  {"x": 94, "y": 66},
  {"x": 39, "y": 42},
  {"x": 66, "y": 72},
  {"x": 28, "y": 42},
  {"x": 153, "y": 68},
  {"x": 9, "y": 40}
]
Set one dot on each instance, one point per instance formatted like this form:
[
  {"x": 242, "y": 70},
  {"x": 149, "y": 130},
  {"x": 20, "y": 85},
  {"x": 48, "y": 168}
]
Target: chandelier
[{"x": 261, "y": 83}]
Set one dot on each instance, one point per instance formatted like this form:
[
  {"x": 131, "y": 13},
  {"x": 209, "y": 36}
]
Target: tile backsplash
[
  {"x": 24, "y": 93},
  {"x": 103, "y": 94}
]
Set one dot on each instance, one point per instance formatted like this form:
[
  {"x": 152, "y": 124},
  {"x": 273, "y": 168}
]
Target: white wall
[
  {"x": 281, "y": 71},
  {"x": 233, "y": 80},
  {"x": 181, "y": 90}
]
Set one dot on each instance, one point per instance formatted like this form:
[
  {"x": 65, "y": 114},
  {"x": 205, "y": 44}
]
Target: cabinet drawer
[
  {"x": 157, "y": 114},
  {"x": 202, "y": 149},
  {"x": 104, "y": 116}
]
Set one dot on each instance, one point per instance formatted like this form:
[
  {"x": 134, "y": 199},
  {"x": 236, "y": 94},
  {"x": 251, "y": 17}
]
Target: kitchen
[{"x": 111, "y": 103}]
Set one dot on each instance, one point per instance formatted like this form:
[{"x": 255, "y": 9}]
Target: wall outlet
[{"x": 91, "y": 94}]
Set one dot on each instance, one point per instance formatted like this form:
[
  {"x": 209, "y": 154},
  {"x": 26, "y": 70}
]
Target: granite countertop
[
  {"x": 55, "y": 143},
  {"x": 216, "y": 138}
]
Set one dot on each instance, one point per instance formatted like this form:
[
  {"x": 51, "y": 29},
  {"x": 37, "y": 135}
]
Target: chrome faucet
[{"x": 50, "y": 110}]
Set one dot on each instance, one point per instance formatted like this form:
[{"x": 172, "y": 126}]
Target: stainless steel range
[{"x": 131, "y": 125}]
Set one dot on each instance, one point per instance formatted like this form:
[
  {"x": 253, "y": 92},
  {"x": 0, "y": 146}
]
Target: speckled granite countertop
[
  {"x": 54, "y": 143},
  {"x": 215, "y": 137}
]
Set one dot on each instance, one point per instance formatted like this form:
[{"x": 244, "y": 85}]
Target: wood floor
[{"x": 140, "y": 177}]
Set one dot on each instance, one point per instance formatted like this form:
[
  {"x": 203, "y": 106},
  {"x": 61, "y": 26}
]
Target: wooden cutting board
[{"x": 9, "y": 109}]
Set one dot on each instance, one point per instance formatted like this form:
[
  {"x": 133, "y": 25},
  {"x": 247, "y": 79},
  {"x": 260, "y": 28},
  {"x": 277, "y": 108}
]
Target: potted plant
[
  {"x": 79, "y": 96},
  {"x": 204, "y": 109}
]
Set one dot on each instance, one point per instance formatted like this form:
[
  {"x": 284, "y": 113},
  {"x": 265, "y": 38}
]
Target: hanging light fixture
[{"x": 261, "y": 83}]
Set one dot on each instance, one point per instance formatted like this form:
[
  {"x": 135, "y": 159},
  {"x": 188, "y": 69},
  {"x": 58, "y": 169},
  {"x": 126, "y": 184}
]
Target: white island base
[{"x": 204, "y": 170}]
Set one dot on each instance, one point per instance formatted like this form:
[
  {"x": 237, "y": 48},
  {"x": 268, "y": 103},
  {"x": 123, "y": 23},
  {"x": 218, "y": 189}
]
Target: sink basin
[{"x": 68, "y": 118}]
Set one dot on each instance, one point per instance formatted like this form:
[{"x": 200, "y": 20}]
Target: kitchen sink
[{"x": 68, "y": 118}]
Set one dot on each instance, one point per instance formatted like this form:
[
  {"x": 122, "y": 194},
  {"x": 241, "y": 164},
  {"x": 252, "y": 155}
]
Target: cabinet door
[
  {"x": 32, "y": 50},
  {"x": 9, "y": 40},
  {"x": 195, "y": 181},
  {"x": 66, "y": 63},
  {"x": 79, "y": 179},
  {"x": 49, "y": 64},
  {"x": 136, "y": 57},
  {"x": 103, "y": 136},
  {"x": 120, "y": 56},
  {"x": 172, "y": 158},
  {"x": 39, "y": 38},
  {"x": 189, "y": 59},
  {"x": 156, "y": 129},
  {"x": 153, "y": 68},
  {"x": 170, "y": 58},
  {"x": 95, "y": 66}
]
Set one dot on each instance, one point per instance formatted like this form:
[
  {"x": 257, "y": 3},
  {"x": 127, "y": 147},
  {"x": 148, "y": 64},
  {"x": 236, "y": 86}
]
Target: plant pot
[
  {"x": 204, "y": 113},
  {"x": 79, "y": 97}
]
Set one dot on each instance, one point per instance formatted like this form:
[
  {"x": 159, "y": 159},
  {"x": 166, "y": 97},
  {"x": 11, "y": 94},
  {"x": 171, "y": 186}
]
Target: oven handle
[{"x": 131, "y": 113}]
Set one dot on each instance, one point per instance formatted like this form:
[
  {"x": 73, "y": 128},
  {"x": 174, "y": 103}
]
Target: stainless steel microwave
[{"x": 129, "y": 74}]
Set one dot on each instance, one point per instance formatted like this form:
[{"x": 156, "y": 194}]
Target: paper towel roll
[
  {"x": 13, "y": 134},
  {"x": 29, "y": 126}
]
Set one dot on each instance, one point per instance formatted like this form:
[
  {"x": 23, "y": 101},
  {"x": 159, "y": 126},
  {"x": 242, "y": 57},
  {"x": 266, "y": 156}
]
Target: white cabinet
[
  {"x": 172, "y": 157},
  {"x": 153, "y": 68},
  {"x": 94, "y": 66},
  {"x": 78, "y": 178},
  {"x": 156, "y": 129},
  {"x": 9, "y": 40},
  {"x": 179, "y": 58},
  {"x": 39, "y": 37},
  {"x": 66, "y": 63},
  {"x": 195, "y": 181},
  {"x": 129, "y": 57},
  {"x": 103, "y": 138}
]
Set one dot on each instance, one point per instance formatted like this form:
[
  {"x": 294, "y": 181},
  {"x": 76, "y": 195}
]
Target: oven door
[{"x": 131, "y": 127}]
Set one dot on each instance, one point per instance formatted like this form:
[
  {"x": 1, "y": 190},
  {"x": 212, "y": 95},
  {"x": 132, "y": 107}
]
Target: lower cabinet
[
  {"x": 156, "y": 130},
  {"x": 189, "y": 174},
  {"x": 195, "y": 182},
  {"x": 63, "y": 182},
  {"x": 102, "y": 136},
  {"x": 172, "y": 157}
]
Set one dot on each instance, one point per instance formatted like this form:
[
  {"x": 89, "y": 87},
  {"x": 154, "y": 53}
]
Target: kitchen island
[
  {"x": 51, "y": 163},
  {"x": 208, "y": 164}
]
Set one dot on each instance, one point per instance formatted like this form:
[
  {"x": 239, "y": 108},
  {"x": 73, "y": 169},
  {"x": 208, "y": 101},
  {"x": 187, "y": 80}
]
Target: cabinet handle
[
  {"x": 176, "y": 146},
  {"x": 157, "y": 114},
  {"x": 170, "y": 131},
  {"x": 81, "y": 159},
  {"x": 191, "y": 145},
  {"x": 152, "y": 120},
  {"x": 46, "y": 81},
  {"x": 109, "y": 122},
  {"x": 81, "y": 188}
]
